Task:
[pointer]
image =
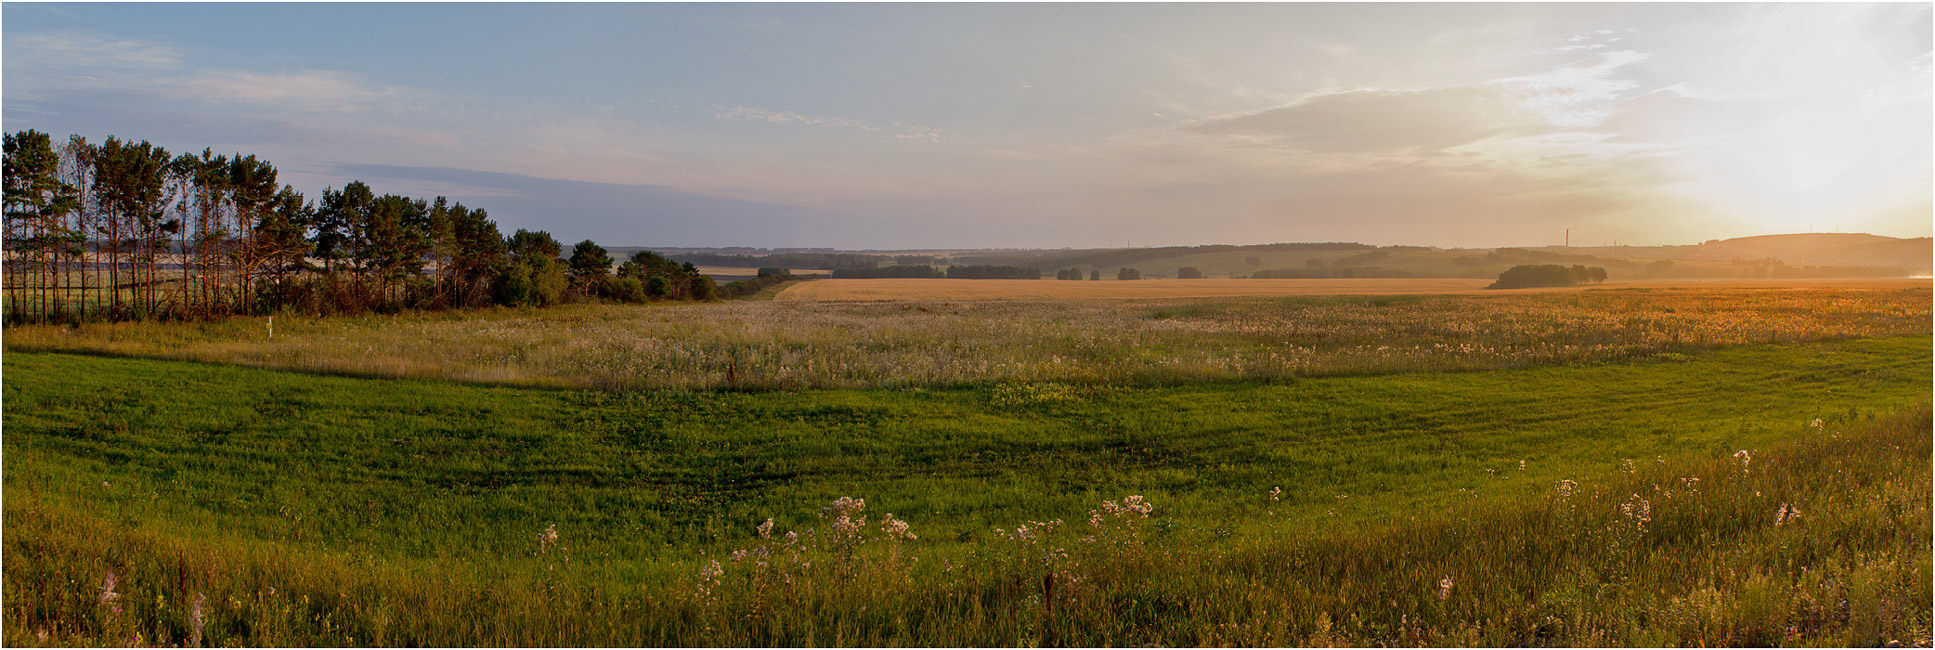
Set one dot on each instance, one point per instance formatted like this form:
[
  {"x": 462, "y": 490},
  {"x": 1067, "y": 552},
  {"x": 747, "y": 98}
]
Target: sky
[{"x": 937, "y": 126}]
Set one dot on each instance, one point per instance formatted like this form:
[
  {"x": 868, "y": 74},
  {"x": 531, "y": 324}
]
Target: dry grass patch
[{"x": 877, "y": 344}]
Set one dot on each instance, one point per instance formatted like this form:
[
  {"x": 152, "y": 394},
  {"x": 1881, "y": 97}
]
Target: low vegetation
[
  {"x": 1748, "y": 496},
  {"x": 766, "y": 279},
  {"x": 1125, "y": 343}
]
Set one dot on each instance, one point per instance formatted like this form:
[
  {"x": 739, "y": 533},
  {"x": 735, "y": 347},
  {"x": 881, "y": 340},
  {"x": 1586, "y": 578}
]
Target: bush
[
  {"x": 625, "y": 289},
  {"x": 1126, "y": 273},
  {"x": 1189, "y": 273},
  {"x": 1547, "y": 275},
  {"x": 514, "y": 286},
  {"x": 548, "y": 282},
  {"x": 703, "y": 288}
]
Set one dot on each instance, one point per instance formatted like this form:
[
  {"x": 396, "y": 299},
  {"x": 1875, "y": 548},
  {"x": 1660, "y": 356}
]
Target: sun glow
[
  {"x": 1805, "y": 137},
  {"x": 1805, "y": 166}
]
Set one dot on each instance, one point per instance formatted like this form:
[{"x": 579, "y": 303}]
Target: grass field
[
  {"x": 304, "y": 510},
  {"x": 929, "y": 289},
  {"x": 1600, "y": 467},
  {"x": 795, "y": 345}
]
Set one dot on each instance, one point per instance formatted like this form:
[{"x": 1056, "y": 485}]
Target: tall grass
[
  {"x": 1823, "y": 541},
  {"x": 780, "y": 345}
]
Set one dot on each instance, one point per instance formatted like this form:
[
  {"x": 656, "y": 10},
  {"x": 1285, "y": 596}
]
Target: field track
[{"x": 899, "y": 289}]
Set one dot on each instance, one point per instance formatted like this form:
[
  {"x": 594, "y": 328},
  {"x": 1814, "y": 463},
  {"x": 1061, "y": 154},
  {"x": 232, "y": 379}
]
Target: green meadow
[{"x": 1640, "y": 501}]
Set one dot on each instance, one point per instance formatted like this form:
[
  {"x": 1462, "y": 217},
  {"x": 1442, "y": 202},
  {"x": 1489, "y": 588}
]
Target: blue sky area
[{"x": 1032, "y": 125}]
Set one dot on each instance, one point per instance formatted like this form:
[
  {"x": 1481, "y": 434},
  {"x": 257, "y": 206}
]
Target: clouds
[
  {"x": 306, "y": 91},
  {"x": 895, "y": 130},
  {"x": 1580, "y": 95},
  {"x": 1431, "y": 120},
  {"x": 87, "y": 50},
  {"x": 1370, "y": 120},
  {"x": 78, "y": 72}
]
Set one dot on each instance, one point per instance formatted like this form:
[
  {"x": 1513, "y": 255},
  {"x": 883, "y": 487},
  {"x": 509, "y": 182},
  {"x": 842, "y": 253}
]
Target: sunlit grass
[
  {"x": 1819, "y": 541},
  {"x": 1415, "y": 509},
  {"x": 818, "y": 345}
]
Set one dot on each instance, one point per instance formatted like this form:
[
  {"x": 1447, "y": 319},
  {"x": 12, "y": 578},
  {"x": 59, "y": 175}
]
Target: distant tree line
[
  {"x": 991, "y": 272},
  {"x": 768, "y": 276},
  {"x": 804, "y": 260},
  {"x": 1547, "y": 275},
  {"x": 1337, "y": 272},
  {"x": 1361, "y": 259},
  {"x": 122, "y": 230},
  {"x": 957, "y": 272},
  {"x": 897, "y": 271},
  {"x": 1106, "y": 257}
]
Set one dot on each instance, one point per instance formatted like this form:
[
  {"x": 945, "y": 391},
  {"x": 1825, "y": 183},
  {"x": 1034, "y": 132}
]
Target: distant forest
[
  {"x": 1345, "y": 272},
  {"x": 125, "y": 230},
  {"x": 1129, "y": 256},
  {"x": 803, "y": 260},
  {"x": 956, "y": 272}
]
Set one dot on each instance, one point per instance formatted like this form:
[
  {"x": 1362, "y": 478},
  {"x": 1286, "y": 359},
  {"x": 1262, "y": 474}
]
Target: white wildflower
[
  {"x": 1638, "y": 510},
  {"x": 109, "y": 597},
  {"x": 1786, "y": 515},
  {"x": 197, "y": 621},
  {"x": 845, "y": 506},
  {"x": 895, "y": 528}
]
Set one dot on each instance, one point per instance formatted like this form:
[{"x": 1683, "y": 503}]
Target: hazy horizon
[{"x": 895, "y": 127}]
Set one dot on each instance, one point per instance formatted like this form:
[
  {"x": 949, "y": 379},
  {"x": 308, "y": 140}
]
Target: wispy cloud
[
  {"x": 896, "y": 130},
  {"x": 311, "y": 90},
  {"x": 1373, "y": 120},
  {"x": 74, "y": 49},
  {"x": 1383, "y": 126},
  {"x": 1578, "y": 95},
  {"x": 50, "y": 64}
]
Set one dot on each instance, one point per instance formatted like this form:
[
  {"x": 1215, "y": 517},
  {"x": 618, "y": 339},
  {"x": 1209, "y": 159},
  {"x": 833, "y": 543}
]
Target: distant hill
[
  {"x": 1824, "y": 249},
  {"x": 1768, "y": 256}
]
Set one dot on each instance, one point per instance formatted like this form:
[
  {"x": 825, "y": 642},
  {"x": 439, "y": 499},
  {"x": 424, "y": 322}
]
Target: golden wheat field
[{"x": 897, "y": 289}]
